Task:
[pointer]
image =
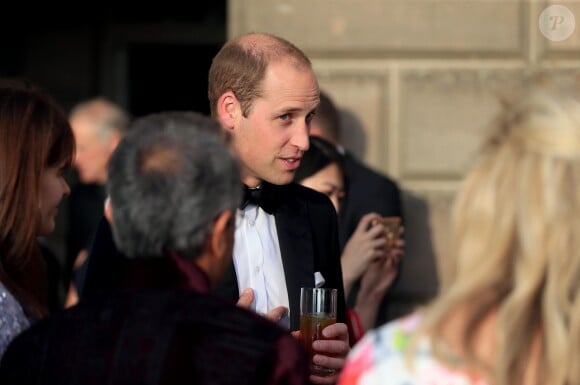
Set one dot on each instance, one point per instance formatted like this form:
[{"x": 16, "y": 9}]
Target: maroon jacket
[{"x": 159, "y": 326}]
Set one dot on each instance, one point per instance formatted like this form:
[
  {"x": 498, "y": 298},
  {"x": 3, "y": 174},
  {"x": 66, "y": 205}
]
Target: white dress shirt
[{"x": 258, "y": 261}]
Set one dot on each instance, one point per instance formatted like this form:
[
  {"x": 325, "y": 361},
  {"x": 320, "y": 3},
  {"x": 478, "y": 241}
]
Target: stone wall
[{"x": 418, "y": 82}]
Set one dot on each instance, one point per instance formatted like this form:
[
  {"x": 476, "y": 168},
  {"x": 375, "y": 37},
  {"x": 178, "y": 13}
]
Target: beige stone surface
[
  {"x": 563, "y": 78},
  {"x": 424, "y": 213},
  {"x": 427, "y": 237},
  {"x": 443, "y": 116},
  {"x": 355, "y": 26},
  {"x": 363, "y": 105}
]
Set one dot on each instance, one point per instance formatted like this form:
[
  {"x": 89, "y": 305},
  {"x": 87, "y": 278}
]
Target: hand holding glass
[{"x": 317, "y": 311}]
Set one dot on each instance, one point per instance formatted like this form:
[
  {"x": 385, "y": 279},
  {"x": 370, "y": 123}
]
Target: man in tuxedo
[
  {"x": 174, "y": 190},
  {"x": 367, "y": 191},
  {"x": 264, "y": 93}
]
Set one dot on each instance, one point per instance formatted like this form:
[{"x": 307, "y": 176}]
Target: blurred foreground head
[
  {"x": 515, "y": 242},
  {"x": 170, "y": 178}
]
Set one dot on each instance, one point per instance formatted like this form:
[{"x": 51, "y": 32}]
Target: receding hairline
[
  {"x": 97, "y": 106},
  {"x": 160, "y": 158},
  {"x": 103, "y": 116},
  {"x": 272, "y": 48}
]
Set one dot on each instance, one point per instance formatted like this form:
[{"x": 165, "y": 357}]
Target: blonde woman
[{"x": 511, "y": 314}]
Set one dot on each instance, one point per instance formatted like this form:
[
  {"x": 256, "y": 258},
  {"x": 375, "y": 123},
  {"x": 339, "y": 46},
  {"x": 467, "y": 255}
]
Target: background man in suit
[
  {"x": 367, "y": 191},
  {"x": 174, "y": 189},
  {"x": 264, "y": 93},
  {"x": 98, "y": 125}
]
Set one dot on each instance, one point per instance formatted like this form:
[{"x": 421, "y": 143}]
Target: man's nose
[{"x": 300, "y": 137}]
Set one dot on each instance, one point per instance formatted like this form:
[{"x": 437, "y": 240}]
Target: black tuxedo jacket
[{"x": 307, "y": 229}]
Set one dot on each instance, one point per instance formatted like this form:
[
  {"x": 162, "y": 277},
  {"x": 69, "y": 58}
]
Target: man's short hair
[
  {"x": 169, "y": 178},
  {"x": 240, "y": 66},
  {"x": 107, "y": 116}
]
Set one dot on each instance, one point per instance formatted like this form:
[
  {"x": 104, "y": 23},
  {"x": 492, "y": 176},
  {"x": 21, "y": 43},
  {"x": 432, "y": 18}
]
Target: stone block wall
[{"x": 418, "y": 82}]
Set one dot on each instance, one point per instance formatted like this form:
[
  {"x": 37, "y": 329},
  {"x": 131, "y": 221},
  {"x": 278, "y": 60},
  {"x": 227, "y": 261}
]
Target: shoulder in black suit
[
  {"x": 307, "y": 229},
  {"x": 85, "y": 209}
]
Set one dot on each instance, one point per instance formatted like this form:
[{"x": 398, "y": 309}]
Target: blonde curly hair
[{"x": 515, "y": 248}]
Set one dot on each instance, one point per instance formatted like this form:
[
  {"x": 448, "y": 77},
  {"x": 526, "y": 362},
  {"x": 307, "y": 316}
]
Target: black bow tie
[{"x": 259, "y": 197}]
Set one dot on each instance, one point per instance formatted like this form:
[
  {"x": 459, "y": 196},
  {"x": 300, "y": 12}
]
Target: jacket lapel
[{"x": 295, "y": 247}]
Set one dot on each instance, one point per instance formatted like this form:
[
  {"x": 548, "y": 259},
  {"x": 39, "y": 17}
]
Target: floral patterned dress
[
  {"x": 13, "y": 320},
  {"x": 379, "y": 358}
]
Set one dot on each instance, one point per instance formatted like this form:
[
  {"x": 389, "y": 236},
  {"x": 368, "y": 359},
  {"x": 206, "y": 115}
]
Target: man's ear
[
  {"x": 228, "y": 110},
  {"x": 217, "y": 249},
  {"x": 221, "y": 238},
  {"x": 114, "y": 140},
  {"x": 108, "y": 210}
]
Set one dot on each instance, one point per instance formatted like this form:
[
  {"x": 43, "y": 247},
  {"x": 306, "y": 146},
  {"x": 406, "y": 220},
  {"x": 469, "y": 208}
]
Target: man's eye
[
  {"x": 310, "y": 116},
  {"x": 284, "y": 117}
]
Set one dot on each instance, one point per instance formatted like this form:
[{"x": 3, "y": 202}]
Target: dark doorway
[
  {"x": 147, "y": 59},
  {"x": 168, "y": 77}
]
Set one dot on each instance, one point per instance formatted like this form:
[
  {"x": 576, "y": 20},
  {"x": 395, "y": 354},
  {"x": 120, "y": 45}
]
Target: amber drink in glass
[{"x": 317, "y": 311}]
